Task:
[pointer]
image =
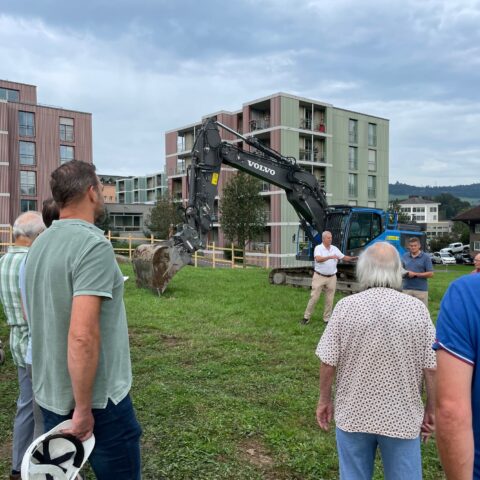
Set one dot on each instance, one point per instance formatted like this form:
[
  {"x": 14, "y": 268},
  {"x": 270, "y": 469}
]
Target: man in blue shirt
[
  {"x": 458, "y": 379},
  {"x": 419, "y": 267}
]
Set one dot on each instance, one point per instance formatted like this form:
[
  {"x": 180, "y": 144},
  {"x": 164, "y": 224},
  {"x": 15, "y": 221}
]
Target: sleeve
[
  {"x": 316, "y": 251},
  {"x": 328, "y": 349},
  {"x": 94, "y": 273},
  {"x": 428, "y": 264},
  {"x": 453, "y": 332},
  {"x": 339, "y": 253},
  {"x": 429, "y": 358}
]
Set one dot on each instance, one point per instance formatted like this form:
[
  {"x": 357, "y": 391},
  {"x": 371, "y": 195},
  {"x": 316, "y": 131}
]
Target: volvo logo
[{"x": 261, "y": 168}]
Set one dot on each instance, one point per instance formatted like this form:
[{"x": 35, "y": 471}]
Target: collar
[
  {"x": 420, "y": 253},
  {"x": 15, "y": 249}
]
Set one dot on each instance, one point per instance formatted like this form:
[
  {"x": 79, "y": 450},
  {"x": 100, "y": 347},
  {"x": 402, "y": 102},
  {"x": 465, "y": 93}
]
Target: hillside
[{"x": 470, "y": 193}]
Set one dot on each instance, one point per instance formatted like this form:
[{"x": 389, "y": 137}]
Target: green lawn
[{"x": 225, "y": 379}]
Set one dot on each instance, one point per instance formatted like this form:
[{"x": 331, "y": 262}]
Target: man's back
[
  {"x": 73, "y": 258},
  {"x": 380, "y": 341}
]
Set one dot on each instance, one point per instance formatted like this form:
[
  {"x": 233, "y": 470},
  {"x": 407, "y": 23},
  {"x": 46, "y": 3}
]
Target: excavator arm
[
  {"x": 210, "y": 152},
  {"x": 155, "y": 265}
]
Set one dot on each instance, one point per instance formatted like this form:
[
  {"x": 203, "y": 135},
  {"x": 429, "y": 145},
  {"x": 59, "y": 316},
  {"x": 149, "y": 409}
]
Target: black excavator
[{"x": 352, "y": 228}]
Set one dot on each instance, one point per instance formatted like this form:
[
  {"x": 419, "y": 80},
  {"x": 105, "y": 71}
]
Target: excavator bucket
[{"x": 155, "y": 265}]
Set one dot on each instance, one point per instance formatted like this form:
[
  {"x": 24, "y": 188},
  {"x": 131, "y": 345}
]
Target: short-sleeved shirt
[
  {"x": 380, "y": 341},
  {"x": 458, "y": 332},
  {"x": 329, "y": 267},
  {"x": 421, "y": 263},
  {"x": 73, "y": 258},
  {"x": 11, "y": 300}
]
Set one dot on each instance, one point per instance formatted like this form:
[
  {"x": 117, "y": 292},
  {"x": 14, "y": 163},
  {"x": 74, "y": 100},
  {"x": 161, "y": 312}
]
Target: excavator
[{"x": 353, "y": 228}]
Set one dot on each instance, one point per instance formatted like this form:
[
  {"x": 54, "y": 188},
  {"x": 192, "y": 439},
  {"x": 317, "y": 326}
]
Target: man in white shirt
[{"x": 325, "y": 276}]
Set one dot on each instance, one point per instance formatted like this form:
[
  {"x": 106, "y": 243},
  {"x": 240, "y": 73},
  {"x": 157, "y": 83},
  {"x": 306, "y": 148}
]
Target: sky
[{"x": 143, "y": 67}]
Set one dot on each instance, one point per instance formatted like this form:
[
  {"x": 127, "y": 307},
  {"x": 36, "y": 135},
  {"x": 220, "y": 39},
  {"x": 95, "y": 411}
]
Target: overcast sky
[{"x": 146, "y": 66}]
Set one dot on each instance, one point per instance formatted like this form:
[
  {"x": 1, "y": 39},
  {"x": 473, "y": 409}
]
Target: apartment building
[
  {"x": 347, "y": 152},
  {"x": 34, "y": 140},
  {"x": 426, "y": 212},
  {"x": 109, "y": 186},
  {"x": 472, "y": 219},
  {"x": 143, "y": 189}
]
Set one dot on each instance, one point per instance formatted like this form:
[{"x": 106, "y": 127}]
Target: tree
[
  {"x": 104, "y": 222},
  {"x": 164, "y": 214},
  {"x": 450, "y": 205},
  {"x": 394, "y": 207},
  {"x": 462, "y": 232},
  {"x": 242, "y": 210}
]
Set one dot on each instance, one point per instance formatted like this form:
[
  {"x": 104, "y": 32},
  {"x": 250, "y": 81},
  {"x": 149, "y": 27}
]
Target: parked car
[
  {"x": 464, "y": 258},
  {"x": 443, "y": 258},
  {"x": 456, "y": 247}
]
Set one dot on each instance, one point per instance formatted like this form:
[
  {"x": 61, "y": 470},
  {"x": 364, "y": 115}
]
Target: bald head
[
  {"x": 28, "y": 226},
  {"x": 380, "y": 266}
]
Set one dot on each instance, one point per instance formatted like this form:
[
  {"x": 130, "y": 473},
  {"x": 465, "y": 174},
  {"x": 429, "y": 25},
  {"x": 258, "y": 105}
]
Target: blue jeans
[
  {"x": 356, "y": 453},
  {"x": 116, "y": 455}
]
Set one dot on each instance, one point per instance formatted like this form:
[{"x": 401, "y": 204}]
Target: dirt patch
[
  {"x": 255, "y": 453},
  {"x": 6, "y": 449},
  {"x": 170, "y": 340},
  {"x": 142, "y": 337}
]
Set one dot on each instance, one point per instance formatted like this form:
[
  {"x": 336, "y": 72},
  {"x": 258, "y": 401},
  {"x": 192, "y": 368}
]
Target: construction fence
[{"x": 213, "y": 256}]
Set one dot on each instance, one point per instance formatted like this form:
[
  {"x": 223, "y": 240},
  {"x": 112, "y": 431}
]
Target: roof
[
  {"x": 472, "y": 214},
  {"x": 416, "y": 201}
]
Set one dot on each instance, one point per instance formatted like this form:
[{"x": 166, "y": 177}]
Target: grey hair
[
  {"x": 28, "y": 224},
  {"x": 379, "y": 266},
  {"x": 325, "y": 233}
]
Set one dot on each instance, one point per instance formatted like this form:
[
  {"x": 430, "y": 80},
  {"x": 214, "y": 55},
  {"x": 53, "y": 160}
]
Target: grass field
[{"x": 225, "y": 379}]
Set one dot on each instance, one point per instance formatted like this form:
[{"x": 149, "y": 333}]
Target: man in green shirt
[
  {"x": 80, "y": 351},
  {"x": 25, "y": 229}
]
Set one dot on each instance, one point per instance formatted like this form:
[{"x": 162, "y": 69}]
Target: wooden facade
[{"x": 46, "y": 137}]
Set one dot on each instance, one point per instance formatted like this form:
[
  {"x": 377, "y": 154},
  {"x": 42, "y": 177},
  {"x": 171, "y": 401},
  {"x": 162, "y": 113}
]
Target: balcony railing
[
  {"x": 372, "y": 192},
  {"x": 352, "y": 190},
  {"x": 372, "y": 140},
  {"x": 306, "y": 155},
  {"x": 353, "y": 164},
  {"x": 352, "y": 137},
  {"x": 305, "y": 123},
  {"x": 259, "y": 124},
  {"x": 320, "y": 127},
  {"x": 180, "y": 169}
]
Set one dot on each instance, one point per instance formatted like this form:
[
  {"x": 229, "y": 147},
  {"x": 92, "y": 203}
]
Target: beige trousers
[
  {"x": 420, "y": 294},
  {"x": 319, "y": 284}
]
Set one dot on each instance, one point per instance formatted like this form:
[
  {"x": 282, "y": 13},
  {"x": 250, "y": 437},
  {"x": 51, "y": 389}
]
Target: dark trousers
[{"x": 116, "y": 455}]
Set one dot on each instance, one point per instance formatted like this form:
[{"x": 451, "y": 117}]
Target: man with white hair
[
  {"x": 324, "y": 278},
  {"x": 25, "y": 229},
  {"x": 378, "y": 345}
]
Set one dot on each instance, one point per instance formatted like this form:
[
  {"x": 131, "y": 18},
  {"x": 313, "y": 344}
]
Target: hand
[
  {"x": 428, "y": 426},
  {"x": 82, "y": 424},
  {"x": 411, "y": 274},
  {"x": 324, "y": 414}
]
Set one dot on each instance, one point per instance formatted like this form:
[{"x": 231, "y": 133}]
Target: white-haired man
[
  {"x": 324, "y": 278},
  {"x": 378, "y": 344},
  {"x": 25, "y": 229}
]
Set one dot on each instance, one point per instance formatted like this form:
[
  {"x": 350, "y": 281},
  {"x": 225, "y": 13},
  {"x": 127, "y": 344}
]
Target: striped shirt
[{"x": 12, "y": 305}]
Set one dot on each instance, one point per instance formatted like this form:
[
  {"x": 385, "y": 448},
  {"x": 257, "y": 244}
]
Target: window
[
  {"x": 352, "y": 130},
  {"x": 372, "y": 186},
  {"x": 434, "y": 217},
  {"x": 27, "y": 205},
  {"x": 372, "y": 204},
  {"x": 372, "y": 160},
  {"x": 419, "y": 209},
  {"x": 476, "y": 246},
  {"x": 352, "y": 185},
  {"x": 352, "y": 203},
  {"x": 372, "y": 135},
  {"x": 28, "y": 183},
  {"x": 66, "y": 129},
  {"x": 477, "y": 228},
  {"x": 353, "y": 158},
  {"x": 9, "y": 95},
  {"x": 433, "y": 209},
  {"x": 26, "y": 153},
  {"x": 364, "y": 227},
  {"x": 67, "y": 153},
  {"x": 26, "y": 124}
]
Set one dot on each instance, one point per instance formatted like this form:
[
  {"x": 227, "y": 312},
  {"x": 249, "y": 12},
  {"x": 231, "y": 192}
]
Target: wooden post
[
  {"x": 213, "y": 257},
  {"x": 195, "y": 257},
  {"x": 130, "y": 246},
  {"x": 109, "y": 236},
  {"x": 267, "y": 259},
  {"x": 151, "y": 238},
  {"x": 233, "y": 256}
]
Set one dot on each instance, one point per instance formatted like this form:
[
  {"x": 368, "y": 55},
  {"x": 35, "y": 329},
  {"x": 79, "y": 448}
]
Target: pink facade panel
[{"x": 27, "y": 93}]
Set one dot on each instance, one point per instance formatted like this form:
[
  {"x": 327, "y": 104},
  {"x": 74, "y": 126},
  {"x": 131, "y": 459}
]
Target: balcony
[
  {"x": 352, "y": 191},
  {"x": 372, "y": 193},
  {"x": 259, "y": 124},
  {"x": 372, "y": 140},
  {"x": 180, "y": 169},
  {"x": 352, "y": 137},
  {"x": 320, "y": 127},
  {"x": 305, "y": 123},
  {"x": 307, "y": 155}
]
